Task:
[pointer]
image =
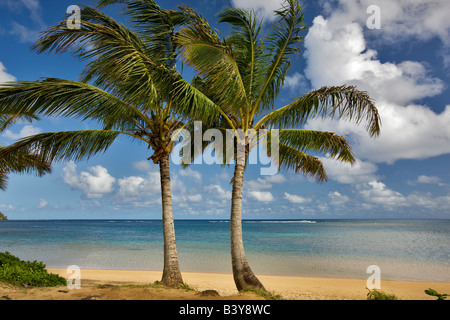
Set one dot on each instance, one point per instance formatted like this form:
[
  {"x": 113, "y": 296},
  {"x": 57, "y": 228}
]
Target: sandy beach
[{"x": 133, "y": 285}]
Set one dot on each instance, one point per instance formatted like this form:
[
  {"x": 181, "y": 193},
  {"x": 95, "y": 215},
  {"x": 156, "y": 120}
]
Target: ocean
[{"x": 407, "y": 250}]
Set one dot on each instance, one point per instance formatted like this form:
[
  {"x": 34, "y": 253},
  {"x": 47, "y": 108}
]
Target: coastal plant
[
  {"x": 434, "y": 293},
  {"x": 126, "y": 87},
  {"x": 380, "y": 295},
  {"x": 241, "y": 76},
  {"x": 266, "y": 295},
  {"x": 18, "y": 272}
]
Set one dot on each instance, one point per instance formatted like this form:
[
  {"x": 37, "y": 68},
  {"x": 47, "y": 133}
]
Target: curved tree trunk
[
  {"x": 171, "y": 273},
  {"x": 244, "y": 278}
]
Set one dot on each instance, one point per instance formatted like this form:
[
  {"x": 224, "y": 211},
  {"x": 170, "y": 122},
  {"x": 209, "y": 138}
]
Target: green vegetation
[
  {"x": 265, "y": 294},
  {"x": 186, "y": 287},
  {"x": 434, "y": 293},
  {"x": 26, "y": 273},
  {"x": 380, "y": 295},
  {"x": 3, "y": 217}
]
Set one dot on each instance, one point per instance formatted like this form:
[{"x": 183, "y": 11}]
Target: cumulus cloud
[
  {"x": 264, "y": 183},
  {"x": 400, "y": 19},
  {"x": 218, "y": 191},
  {"x": 263, "y": 8},
  {"x": 93, "y": 184},
  {"x": 296, "y": 82},
  {"x": 337, "y": 199},
  {"x": 26, "y": 131},
  {"x": 296, "y": 199},
  {"x": 191, "y": 174},
  {"x": 139, "y": 190},
  {"x": 262, "y": 196},
  {"x": 342, "y": 172},
  {"x": 337, "y": 53},
  {"x": 5, "y": 76},
  {"x": 378, "y": 193}
]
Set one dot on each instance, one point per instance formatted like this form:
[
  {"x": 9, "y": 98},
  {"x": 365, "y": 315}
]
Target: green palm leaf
[
  {"x": 281, "y": 43},
  {"x": 21, "y": 161},
  {"x": 343, "y": 102},
  {"x": 65, "y": 145},
  {"x": 57, "y": 97},
  {"x": 213, "y": 59},
  {"x": 247, "y": 47},
  {"x": 329, "y": 143},
  {"x": 293, "y": 159}
]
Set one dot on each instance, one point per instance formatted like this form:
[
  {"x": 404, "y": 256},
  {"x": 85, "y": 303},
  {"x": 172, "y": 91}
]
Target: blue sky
[{"x": 404, "y": 65}]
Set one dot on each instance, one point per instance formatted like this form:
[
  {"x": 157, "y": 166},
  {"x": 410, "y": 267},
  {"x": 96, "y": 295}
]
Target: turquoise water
[{"x": 416, "y": 250}]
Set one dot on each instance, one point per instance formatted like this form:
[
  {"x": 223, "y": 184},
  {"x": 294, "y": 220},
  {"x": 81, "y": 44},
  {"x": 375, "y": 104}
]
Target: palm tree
[
  {"x": 132, "y": 74},
  {"x": 242, "y": 75},
  {"x": 19, "y": 162}
]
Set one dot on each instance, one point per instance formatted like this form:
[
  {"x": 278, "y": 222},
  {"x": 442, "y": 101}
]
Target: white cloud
[
  {"x": 194, "y": 198},
  {"x": 296, "y": 199},
  {"x": 26, "y": 131},
  {"x": 4, "y": 76},
  {"x": 378, "y": 193},
  {"x": 262, "y": 196},
  {"x": 276, "y": 178},
  {"x": 24, "y": 33},
  {"x": 337, "y": 54},
  {"x": 93, "y": 185},
  {"x": 33, "y": 6},
  {"x": 264, "y": 183},
  {"x": 6, "y": 207},
  {"x": 400, "y": 19},
  {"x": 337, "y": 198},
  {"x": 143, "y": 165},
  {"x": 296, "y": 82},
  {"x": 190, "y": 173},
  {"x": 134, "y": 187},
  {"x": 263, "y": 8},
  {"x": 42, "y": 203},
  {"x": 428, "y": 179},
  {"x": 218, "y": 191},
  {"x": 342, "y": 172}
]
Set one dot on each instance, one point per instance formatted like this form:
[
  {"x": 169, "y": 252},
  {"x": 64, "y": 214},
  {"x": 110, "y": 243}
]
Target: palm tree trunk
[
  {"x": 244, "y": 278},
  {"x": 171, "y": 273}
]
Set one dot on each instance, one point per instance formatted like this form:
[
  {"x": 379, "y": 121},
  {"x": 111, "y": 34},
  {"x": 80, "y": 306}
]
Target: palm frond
[
  {"x": 119, "y": 58},
  {"x": 64, "y": 145},
  {"x": 156, "y": 25},
  {"x": 247, "y": 46},
  {"x": 21, "y": 161},
  {"x": 202, "y": 48},
  {"x": 57, "y": 97},
  {"x": 7, "y": 120},
  {"x": 281, "y": 44},
  {"x": 291, "y": 158},
  {"x": 327, "y": 143},
  {"x": 343, "y": 102}
]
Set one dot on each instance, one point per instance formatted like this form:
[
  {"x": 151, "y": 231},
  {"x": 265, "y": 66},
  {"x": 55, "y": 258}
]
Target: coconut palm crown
[
  {"x": 125, "y": 87},
  {"x": 242, "y": 75}
]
